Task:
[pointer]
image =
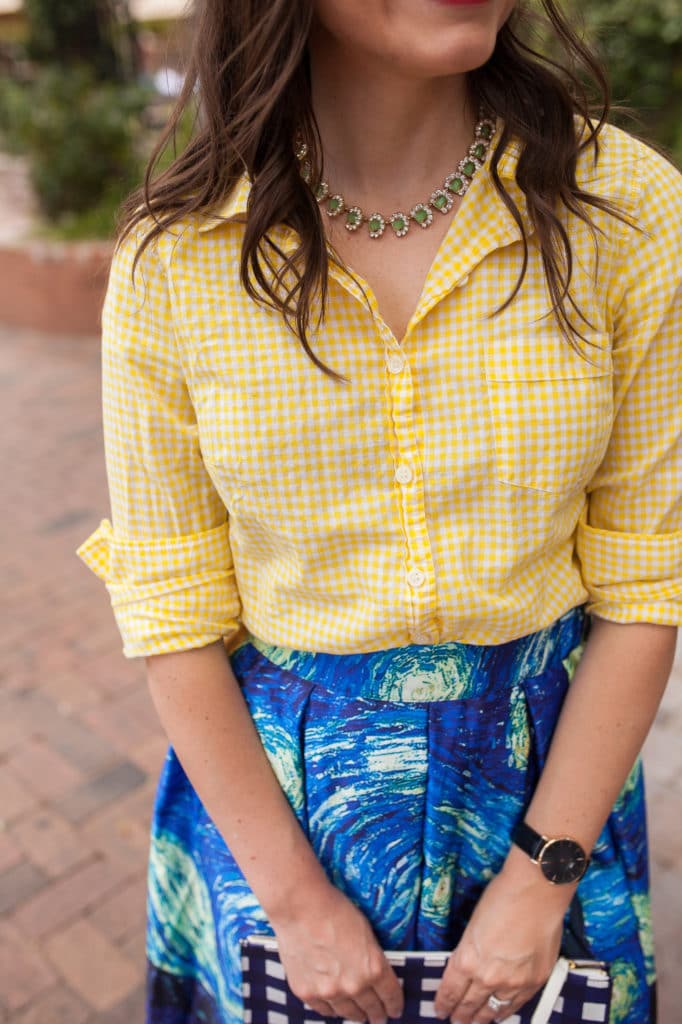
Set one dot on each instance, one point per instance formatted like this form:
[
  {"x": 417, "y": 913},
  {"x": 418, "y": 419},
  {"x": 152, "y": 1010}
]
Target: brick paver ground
[{"x": 80, "y": 747}]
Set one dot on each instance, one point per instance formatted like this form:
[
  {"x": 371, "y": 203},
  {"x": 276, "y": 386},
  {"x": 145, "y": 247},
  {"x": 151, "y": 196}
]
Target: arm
[
  {"x": 514, "y": 935},
  {"x": 208, "y": 723},
  {"x": 609, "y": 709},
  {"x": 329, "y": 952}
]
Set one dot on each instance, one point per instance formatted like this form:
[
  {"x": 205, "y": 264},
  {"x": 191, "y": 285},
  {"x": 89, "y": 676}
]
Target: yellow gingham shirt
[{"x": 471, "y": 482}]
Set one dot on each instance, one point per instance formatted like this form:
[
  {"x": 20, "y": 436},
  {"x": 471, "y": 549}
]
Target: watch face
[{"x": 563, "y": 860}]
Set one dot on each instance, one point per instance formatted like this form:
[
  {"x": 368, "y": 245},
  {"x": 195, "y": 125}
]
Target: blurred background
[{"x": 85, "y": 86}]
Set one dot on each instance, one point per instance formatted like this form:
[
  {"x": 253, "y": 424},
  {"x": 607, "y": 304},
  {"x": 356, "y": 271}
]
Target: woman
[{"x": 372, "y": 474}]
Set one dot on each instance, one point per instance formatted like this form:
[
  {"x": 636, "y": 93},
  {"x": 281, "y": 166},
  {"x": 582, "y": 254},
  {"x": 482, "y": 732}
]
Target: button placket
[{"x": 418, "y": 568}]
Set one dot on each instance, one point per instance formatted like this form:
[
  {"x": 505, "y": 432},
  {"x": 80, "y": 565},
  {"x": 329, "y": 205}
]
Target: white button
[
  {"x": 462, "y": 281},
  {"x": 422, "y": 638},
  {"x": 404, "y": 474},
  {"x": 416, "y": 578},
  {"x": 395, "y": 362}
]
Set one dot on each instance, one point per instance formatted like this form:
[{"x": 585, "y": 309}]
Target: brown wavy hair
[{"x": 249, "y": 67}]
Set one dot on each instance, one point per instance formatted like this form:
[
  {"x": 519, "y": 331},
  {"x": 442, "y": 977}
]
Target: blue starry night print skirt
[{"x": 408, "y": 770}]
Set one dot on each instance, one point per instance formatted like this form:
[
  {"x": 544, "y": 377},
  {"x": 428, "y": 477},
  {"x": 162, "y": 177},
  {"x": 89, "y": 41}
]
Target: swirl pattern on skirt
[{"x": 408, "y": 770}]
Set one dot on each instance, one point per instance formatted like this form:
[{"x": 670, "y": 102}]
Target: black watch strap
[{"x": 530, "y": 841}]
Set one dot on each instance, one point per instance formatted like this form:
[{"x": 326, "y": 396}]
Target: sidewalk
[{"x": 80, "y": 747}]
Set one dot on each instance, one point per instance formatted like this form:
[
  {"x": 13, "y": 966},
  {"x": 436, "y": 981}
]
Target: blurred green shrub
[
  {"x": 13, "y": 113},
  {"x": 84, "y": 142},
  {"x": 70, "y": 32},
  {"x": 83, "y": 139},
  {"x": 641, "y": 42},
  {"x": 77, "y": 112}
]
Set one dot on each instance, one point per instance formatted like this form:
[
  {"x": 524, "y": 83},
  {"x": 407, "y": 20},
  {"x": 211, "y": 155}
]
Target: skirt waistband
[{"x": 425, "y": 673}]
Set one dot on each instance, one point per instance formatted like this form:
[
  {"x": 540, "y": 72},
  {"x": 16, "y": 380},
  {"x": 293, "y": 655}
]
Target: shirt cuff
[
  {"x": 631, "y": 577},
  {"x": 168, "y": 593}
]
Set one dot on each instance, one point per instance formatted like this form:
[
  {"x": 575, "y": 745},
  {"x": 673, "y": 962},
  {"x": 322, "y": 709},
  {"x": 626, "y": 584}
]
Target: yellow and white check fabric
[{"x": 472, "y": 481}]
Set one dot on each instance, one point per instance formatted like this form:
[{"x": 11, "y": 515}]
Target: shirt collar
[
  {"x": 509, "y": 161},
  {"x": 232, "y": 208}
]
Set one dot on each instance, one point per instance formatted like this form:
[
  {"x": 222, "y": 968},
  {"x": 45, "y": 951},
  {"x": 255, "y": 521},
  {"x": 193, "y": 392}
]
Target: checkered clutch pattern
[{"x": 585, "y": 997}]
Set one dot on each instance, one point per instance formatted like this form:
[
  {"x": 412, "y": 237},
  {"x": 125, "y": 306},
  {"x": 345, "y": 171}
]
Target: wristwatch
[{"x": 561, "y": 860}]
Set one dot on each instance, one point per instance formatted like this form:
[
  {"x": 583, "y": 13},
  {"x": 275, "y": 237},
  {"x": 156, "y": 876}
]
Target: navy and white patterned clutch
[{"x": 578, "y": 991}]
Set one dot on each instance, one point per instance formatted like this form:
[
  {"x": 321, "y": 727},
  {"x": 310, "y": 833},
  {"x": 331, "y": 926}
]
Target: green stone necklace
[{"x": 442, "y": 199}]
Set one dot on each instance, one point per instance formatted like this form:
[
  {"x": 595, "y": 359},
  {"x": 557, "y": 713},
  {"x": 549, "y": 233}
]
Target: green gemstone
[
  {"x": 374, "y": 224},
  {"x": 456, "y": 185},
  {"x": 398, "y": 224},
  {"x": 320, "y": 191},
  {"x": 440, "y": 202},
  {"x": 353, "y": 218},
  {"x": 479, "y": 150},
  {"x": 469, "y": 168},
  {"x": 486, "y": 131},
  {"x": 420, "y": 216},
  {"x": 334, "y": 205}
]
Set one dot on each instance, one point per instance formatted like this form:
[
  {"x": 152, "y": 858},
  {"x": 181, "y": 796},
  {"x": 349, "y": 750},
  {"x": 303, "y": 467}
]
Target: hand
[
  {"x": 508, "y": 948},
  {"x": 334, "y": 963}
]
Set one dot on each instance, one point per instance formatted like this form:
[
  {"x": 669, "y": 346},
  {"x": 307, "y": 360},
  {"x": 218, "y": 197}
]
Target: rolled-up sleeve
[
  {"x": 165, "y": 555},
  {"x": 629, "y": 539}
]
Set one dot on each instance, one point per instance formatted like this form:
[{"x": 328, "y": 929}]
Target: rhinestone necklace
[{"x": 442, "y": 199}]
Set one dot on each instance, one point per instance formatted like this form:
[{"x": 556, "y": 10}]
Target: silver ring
[{"x": 496, "y": 1004}]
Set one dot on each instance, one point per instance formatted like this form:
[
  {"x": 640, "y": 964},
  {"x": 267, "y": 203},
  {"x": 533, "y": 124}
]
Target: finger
[
  {"x": 373, "y": 1006},
  {"x": 475, "y": 1008},
  {"x": 348, "y": 1009},
  {"x": 453, "y": 985},
  {"x": 485, "y": 1014},
  {"x": 517, "y": 1004},
  {"x": 321, "y": 1006},
  {"x": 519, "y": 998},
  {"x": 472, "y": 1005},
  {"x": 389, "y": 991}
]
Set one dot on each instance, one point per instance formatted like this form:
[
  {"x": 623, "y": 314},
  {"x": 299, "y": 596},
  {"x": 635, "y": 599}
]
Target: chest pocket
[{"x": 552, "y": 422}]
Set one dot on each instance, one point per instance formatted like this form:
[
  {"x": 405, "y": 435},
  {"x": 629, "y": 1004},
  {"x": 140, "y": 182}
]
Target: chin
[
  {"x": 444, "y": 56},
  {"x": 417, "y": 39}
]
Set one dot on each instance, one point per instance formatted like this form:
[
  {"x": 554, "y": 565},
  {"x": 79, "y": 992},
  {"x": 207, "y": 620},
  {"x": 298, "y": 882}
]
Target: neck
[{"x": 385, "y": 136}]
